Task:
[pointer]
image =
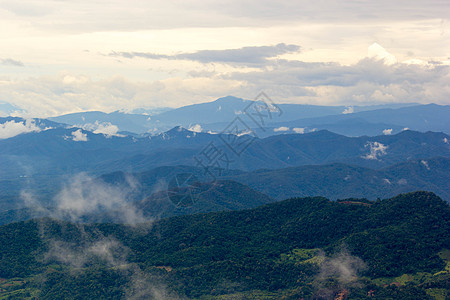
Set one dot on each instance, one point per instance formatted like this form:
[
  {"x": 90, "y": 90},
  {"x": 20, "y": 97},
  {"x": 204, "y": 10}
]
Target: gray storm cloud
[
  {"x": 11, "y": 62},
  {"x": 245, "y": 55}
]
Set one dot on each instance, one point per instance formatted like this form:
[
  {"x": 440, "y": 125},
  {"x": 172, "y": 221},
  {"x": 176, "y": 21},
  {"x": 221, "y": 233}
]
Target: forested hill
[{"x": 293, "y": 248}]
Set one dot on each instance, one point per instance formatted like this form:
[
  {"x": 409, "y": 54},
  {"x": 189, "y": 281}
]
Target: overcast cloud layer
[{"x": 66, "y": 56}]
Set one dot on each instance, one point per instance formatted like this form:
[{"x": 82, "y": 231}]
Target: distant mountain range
[
  {"x": 265, "y": 118},
  {"x": 70, "y": 150},
  {"x": 283, "y": 118},
  {"x": 126, "y": 122},
  {"x": 423, "y": 118},
  {"x": 7, "y": 109}
]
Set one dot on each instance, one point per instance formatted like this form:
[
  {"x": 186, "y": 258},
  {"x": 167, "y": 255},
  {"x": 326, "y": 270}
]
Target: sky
[{"x": 59, "y": 56}]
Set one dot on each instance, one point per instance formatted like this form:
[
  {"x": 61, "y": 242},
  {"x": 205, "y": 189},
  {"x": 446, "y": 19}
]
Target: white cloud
[
  {"x": 238, "y": 49},
  {"x": 77, "y": 16},
  {"x": 282, "y": 128},
  {"x": 67, "y": 93},
  {"x": 377, "y": 52},
  {"x": 105, "y": 128},
  {"x": 425, "y": 163},
  {"x": 245, "y": 132},
  {"x": 387, "y": 131},
  {"x": 402, "y": 181},
  {"x": 366, "y": 82},
  {"x": 348, "y": 110},
  {"x": 376, "y": 150},
  {"x": 79, "y": 136},
  {"x": 84, "y": 195},
  {"x": 299, "y": 130},
  {"x": 12, "y": 128},
  {"x": 195, "y": 128}
]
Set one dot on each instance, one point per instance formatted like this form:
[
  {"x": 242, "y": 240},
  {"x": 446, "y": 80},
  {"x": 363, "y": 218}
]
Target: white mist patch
[
  {"x": 402, "y": 181},
  {"x": 299, "y": 130},
  {"x": 105, "y": 128},
  {"x": 376, "y": 150},
  {"x": 79, "y": 136},
  {"x": 12, "y": 128},
  {"x": 377, "y": 52},
  {"x": 95, "y": 248},
  {"x": 387, "y": 131},
  {"x": 425, "y": 163},
  {"x": 78, "y": 246},
  {"x": 196, "y": 128},
  {"x": 338, "y": 272},
  {"x": 107, "y": 249},
  {"x": 281, "y": 129},
  {"x": 244, "y": 132},
  {"x": 143, "y": 287},
  {"x": 348, "y": 110},
  {"x": 84, "y": 196}
]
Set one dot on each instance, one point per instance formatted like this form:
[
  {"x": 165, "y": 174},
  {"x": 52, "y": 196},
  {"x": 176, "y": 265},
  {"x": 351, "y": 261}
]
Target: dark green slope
[
  {"x": 333, "y": 181},
  {"x": 201, "y": 197},
  {"x": 268, "y": 251},
  {"x": 338, "y": 181},
  {"x": 221, "y": 195}
]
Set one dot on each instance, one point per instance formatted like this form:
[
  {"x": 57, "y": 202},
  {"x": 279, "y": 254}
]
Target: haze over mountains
[
  {"x": 202, "y": 190},
  {"x": 100, "y": 143},
  {"x": 206, "y": 150},
  {"x": 41, "y": 156}
]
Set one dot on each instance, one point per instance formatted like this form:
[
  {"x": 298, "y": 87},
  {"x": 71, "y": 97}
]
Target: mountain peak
[
  {"x": 177, "y": 130},
  {"x": 229, "y": 99}
]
